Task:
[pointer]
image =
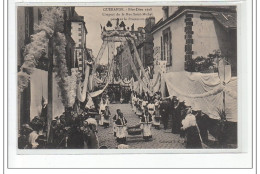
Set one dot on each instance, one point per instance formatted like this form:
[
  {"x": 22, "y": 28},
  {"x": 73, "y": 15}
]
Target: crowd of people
[
  {"x": 190, "y": 123},
  {"x": 77, "y": 127}
]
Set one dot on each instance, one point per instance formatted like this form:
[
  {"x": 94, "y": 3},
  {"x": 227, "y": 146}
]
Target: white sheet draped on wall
[
  {"x": 39, "y": 89},
  {"x": 203, "y": 91}
]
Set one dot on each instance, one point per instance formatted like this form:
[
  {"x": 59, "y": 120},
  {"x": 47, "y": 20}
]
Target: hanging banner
[
  {"x": 224, "y": 71},
  {"x": 99, "y": 56},
  {"x": 81, "y": 92},
  {"x": 146, "y": 78},
  {"x": 110, "y": 76},
  {"x": 162, "y": 65},
  {"x": 144, "y": 87}
]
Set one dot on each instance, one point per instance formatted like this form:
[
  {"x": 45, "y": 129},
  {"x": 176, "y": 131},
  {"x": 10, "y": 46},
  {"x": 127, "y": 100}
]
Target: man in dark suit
[{"x": 164, "y": 111}]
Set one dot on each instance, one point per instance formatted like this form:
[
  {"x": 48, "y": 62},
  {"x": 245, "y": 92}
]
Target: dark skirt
[{"x": 193, "y": 139}]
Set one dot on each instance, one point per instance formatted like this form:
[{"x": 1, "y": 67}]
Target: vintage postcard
[{"x": 127, "y": 77}]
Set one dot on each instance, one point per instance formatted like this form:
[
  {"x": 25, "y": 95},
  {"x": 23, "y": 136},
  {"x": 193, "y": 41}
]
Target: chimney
[
  {"x": 165, "y": 12},
  {"x": 152, "y": 21}
]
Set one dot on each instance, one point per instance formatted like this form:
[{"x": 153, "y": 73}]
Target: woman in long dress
[
  {"x": 139, "y": 111},
  {"x": 89, "y": 130},
  {"x": 101, "y": 112},
  {"x": 146, "y": 123},
  {"x": 121, "y": 123},
  {"x": 193, "y": 140},
  {"x": 107, "y": 114},
  {"x": 151, "y": 110},
  {"x": 157, "y": 116},
  {"x": 144, "y": 104},
  {"x": 118, "y": 111},
  {"x": 134, "y": 102}
]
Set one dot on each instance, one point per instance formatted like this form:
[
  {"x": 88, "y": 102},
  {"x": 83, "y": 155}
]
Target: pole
[
  {"x": 50, "y": 84},
  {"x": 224, "y": 95}
]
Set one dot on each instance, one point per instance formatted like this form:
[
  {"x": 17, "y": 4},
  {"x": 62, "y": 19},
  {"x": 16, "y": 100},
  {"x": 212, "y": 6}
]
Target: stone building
[
  {"x": 78, "y": 33},
  {"x": 26, "y": 18},
  {"x": 188, "y": 32}
]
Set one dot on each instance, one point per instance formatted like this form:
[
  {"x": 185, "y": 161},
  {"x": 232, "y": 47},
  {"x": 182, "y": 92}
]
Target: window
[
  {"x": 79, "y": 29},
  {"x": 166, "y": 46},
  {"x": 80, "y": 34}
]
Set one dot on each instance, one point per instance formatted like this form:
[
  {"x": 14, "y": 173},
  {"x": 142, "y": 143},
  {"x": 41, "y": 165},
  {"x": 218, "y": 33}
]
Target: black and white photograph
[{"x": 127, "y": 77}]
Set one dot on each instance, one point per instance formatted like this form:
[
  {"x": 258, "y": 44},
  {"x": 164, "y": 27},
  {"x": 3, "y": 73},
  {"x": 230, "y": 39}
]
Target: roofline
[{"x": 178, "y": 15}]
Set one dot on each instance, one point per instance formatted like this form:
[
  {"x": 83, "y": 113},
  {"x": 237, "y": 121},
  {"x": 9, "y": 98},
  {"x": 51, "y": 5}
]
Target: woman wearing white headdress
[
  {"x": 102, "y": 108},
  {"x": 134, "y": 102},
  {"x": 107, "y": 115},
  {"x": 121, "y": 130},
  {"x": 191, "y": 131},
  {"x": 90, "y": 137},
  {"x": 151, "y": 110},
  {"x": 139, "y": 110},
  {"x": 157, "y": 116},
  {"x": 146, "y": 123}
]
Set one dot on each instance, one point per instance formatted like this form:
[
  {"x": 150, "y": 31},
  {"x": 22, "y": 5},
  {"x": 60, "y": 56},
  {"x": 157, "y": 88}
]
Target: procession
[{"x": 165, "y": 82}]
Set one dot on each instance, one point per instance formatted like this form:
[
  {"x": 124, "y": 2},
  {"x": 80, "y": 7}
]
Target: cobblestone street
[{"x": 162, "y": 139}]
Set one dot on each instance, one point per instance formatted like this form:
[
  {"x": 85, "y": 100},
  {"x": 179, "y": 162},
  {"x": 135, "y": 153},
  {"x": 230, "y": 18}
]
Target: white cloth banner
[
  {"x": 39, "y": 89},
  {"x": 110, "y": 77},
  {"x": 203, "y": 91},
  {"x": 224, "y": 71}
]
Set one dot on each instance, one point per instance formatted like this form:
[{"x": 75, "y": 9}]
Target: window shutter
[{"x": 170, "y": 42}]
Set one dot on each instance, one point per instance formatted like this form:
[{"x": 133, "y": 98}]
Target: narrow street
[{"x": 161, "y": 138}]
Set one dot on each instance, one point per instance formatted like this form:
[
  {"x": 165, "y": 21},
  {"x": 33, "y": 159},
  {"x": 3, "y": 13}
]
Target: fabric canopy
[{"x": 204, "y": 92}]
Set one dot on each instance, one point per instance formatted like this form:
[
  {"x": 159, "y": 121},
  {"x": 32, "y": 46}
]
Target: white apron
[
  {"x": 101, "y": 121},
  {"x": 146, "y": 129},
  {"x": 114, "y": 127},
  {"x": 146, "y": 126},
  {"x": 101, "y": 111},
  {"x": 121, "y": 131}
]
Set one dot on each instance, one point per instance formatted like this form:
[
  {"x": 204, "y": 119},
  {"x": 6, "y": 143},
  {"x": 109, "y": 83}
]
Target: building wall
[
  {"x": 204, "y": 37},
  {"x": 178, "y": 44},
  {"x": 76, "y": 33},
  {"x": 79, "y": 36},
  {"x": 27, "y": 17},
  {"x": 20, "y": 33},
  {"x": 210, "y": 35}
]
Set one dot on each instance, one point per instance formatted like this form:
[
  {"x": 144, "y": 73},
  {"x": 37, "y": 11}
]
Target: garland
[
  {"x": 51, "y": 25},
  {"x": 65, "y": 83},
  {"x": 52, "y": 20}
]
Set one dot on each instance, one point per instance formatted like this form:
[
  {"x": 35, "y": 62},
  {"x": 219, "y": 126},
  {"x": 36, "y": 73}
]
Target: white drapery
[
  {"x": 39, "y": 89},
  {"x": 204, "y": 91}
]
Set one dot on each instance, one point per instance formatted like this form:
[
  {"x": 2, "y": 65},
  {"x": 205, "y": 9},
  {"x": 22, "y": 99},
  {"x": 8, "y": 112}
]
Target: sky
[{"x": 96, "y": 16}]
